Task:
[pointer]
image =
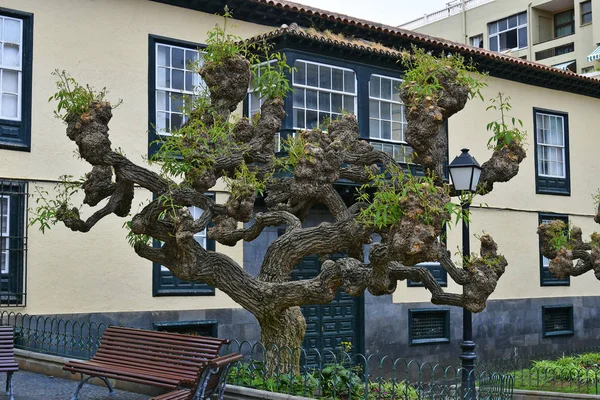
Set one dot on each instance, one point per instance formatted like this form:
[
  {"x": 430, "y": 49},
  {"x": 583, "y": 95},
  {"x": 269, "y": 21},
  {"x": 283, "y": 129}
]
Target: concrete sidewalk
[{"x": 31, "y": 386}]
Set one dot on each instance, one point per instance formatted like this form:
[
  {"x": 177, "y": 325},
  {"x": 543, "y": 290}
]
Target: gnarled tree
[{"x": 405, "y": 211}]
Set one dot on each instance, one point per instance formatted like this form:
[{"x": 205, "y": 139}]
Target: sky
[{"x": 390, "y": 12}]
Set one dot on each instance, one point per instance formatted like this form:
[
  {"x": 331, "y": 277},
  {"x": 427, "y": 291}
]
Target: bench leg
[
  {"x": 83, "y": 382},
  {"x": 9, "y": 386}
]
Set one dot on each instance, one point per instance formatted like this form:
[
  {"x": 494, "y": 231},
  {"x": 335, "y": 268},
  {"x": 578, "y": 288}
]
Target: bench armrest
[{"x": 225, "y": 360}]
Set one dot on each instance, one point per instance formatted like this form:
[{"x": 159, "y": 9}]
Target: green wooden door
[{"x": 327, "y": 326}]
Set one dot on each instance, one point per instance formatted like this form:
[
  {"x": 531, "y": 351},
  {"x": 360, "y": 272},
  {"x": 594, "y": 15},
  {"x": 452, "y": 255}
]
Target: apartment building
[
  {"x": 561, "y": 33},
  {"x": 138, "y": 48}
]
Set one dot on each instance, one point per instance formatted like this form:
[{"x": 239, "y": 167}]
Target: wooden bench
[
  {"x": 162, "y": 359},
  {"x": 211, "y": 380},
  {"x": 8, "y": 363}
]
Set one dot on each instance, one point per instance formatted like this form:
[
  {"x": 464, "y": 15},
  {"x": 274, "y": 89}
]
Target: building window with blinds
[{"x": 552, "y": 152}]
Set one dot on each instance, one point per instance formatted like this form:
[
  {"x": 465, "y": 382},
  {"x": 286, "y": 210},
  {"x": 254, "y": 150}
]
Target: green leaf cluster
[
  {"x": 558, "y": 232},
  {"x": 388, "y": 193},
  {"x": 135, "y": 239},
  {"x": 270, "y": 71},
  {"x": 294, "y": 148},
  {"x": 504, "y": 134},
  {"x": 48, "y": 210},
  {"x": 246, "y": 182},
  {"x": 74, "y": 99},
  {"x": 424, "y": 71},
  {"x": 221, "y": 45}
]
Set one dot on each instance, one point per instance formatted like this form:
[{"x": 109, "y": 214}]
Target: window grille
[
  {"x": 13, "y": 242},
  {"x": 429, "y": 326},
  {"x": 557, "y": 320}
]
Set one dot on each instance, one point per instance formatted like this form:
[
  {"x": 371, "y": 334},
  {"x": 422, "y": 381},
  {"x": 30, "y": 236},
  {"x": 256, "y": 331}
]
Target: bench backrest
[
  {"x": 7, "y": 342},
  {"x": 129, "y": 345}
]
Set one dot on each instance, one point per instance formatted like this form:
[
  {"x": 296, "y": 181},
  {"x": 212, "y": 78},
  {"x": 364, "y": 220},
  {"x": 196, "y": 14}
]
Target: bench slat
[{"x": 183, "y": 394}]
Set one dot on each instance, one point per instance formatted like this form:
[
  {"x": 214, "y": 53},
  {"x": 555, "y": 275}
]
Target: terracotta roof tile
[{"x": 413, "y": 36}]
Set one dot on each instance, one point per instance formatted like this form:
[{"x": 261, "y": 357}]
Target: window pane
[
  {"x": 349, "y": 104},
  {"x": 312, "y": 75},
  {"x": 373, "y": 108},
  {"x": 163, "y": 56},
  {"x": 190, "y": 57},
  {"x": 311, "y": 99},
  {"x": 338, "y": 79},
  {"x": 336, "y": 103},
  {"x": 176, "y": 121},
  {"x": 493, "y": 28},
  {"x": 10, "y": 81},
  {"x": 162, "y": 122},
  {"x": 494, "y": 43},
  {"x": 523, "y": 37},
  {"x": 386, "y": 130},
  {"x": 374, "y": 128},
  {"x": 397, "y": 112},
  {"x": 386, "y": 89},
  {"x": 311, "y": 119},
  {"x": 189, "y": 81},
  {"x": 176, "y": 102},
  {"x": 9, "y": 105},
  {"x": 10, "y": 55},
  {"x": 386, "y": 111},
  {"x": 523, "y": 18},
  {"x": 397, "y": 131},
  {"x": 587, "y": 18},
  {"x": 299, "y": 98},
  {"x": 324, "y": 77},
  {"x": 163, "y": 77},
  {"x": 300, "y": 73},
  {"x": 374, "y": 90},
  {"x": 299, "y": 119},
  {"x": 512, "y": 21},
  {"x": 349, "y": 82},
  {"x": 324, "y": 101},
  {"x": 396, "y": 91},
  {"x": 178, "y": 58},
  {"x": 161, "y": 101},
  {"x": 12, "y": 31},
  {"x": 502, "y": 25},
  {"x": 177, "y": 79},
  {"x": 586, "y": 6}
]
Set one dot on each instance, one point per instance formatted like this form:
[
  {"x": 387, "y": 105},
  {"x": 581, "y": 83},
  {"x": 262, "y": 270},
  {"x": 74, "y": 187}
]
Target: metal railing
[
  {"x": 574, "y": 371},
  {"x": 452, "y": 8},
  {"x": 347, "y": 375},
  {"x": 53, "y": 335}
]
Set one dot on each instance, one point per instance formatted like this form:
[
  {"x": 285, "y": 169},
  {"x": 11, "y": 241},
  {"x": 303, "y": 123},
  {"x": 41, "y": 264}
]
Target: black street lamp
[{"x": 465, "y": 172}]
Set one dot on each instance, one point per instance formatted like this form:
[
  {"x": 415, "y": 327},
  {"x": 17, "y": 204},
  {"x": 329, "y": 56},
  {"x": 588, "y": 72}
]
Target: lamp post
[{"x": 465, "y": 172}]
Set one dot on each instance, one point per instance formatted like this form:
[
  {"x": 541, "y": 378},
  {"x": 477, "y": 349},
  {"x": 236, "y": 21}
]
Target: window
[
  {"x": 477, "y": 41},
  {"x": 508, "y": 33},
  {"x": 587, "y": 70},
  {"x": 387, "y": 122},
  {"x": 166, "y": 284},
  {"x": 427, "y": 326},
  {"x": 552, "y": 152},
  {"x": 557, "y": 320},
  {"x": 546, "y": 278},
  {"x": 564, "y": 23},
  {"x": 555, "y": 51},
  {"x": 586, "y": 12},
  {"x": 13, "y": 242},
  {"x": 320, "y": 92},
  {"x": 172, "y": 83},
  {"x": 16, "y": 45}
]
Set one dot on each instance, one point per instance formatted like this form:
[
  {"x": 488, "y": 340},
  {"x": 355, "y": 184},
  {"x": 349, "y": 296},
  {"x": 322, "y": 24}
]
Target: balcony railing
[{"x": 452, "y": 8}]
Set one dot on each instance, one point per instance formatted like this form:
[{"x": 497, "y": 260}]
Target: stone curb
[{"x": 539, "y": 395}]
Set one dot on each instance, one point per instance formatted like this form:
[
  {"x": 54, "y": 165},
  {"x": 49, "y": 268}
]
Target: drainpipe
[
  {"x": 529, "y": 33},
  {"x": 464, "y": 14}
]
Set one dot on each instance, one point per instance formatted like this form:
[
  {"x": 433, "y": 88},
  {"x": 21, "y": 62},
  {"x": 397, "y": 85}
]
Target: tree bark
[{"x": 282, "y": 336}]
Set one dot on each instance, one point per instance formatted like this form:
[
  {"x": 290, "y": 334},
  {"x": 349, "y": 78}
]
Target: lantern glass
[{"x": 465, "y": 172}]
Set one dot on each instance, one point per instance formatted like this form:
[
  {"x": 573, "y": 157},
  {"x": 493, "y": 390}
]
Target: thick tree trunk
[{"x": 282, "y": 336}]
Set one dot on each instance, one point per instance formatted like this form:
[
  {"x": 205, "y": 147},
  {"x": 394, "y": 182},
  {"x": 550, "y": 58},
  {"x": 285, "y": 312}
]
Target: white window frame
[
  {"x": 556, "y": 146},
  {"x": 18, "y": 69},
  {"x": 319, "y": 89},
  {"x": 396, "y": 144},
  {"x": 479, "y": 39},
  {"x": 516, "y": 28},
  {"x": 5, "y": 234},
  {"x": 197, "y": 81}
]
